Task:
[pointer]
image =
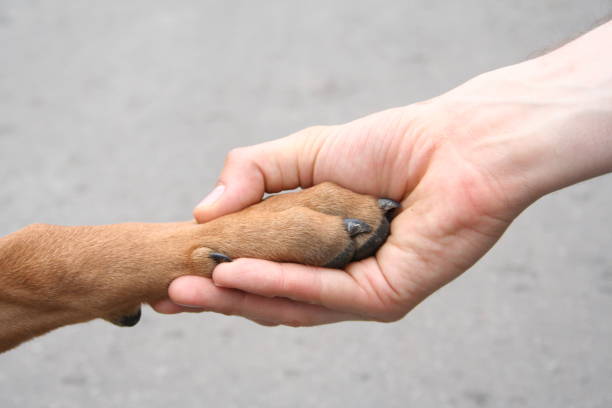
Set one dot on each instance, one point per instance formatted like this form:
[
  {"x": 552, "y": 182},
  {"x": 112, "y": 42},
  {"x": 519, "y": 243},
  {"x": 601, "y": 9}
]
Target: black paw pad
[
  {"x": 129, "y": 320},
  {"x": 356, "y": 227},
  {"x": 342, "y": 259},
  {"x": 219, "y": 258}
]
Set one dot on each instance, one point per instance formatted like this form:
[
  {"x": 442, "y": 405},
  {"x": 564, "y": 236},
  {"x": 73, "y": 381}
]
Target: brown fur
[{"x": 52, "y": 276}]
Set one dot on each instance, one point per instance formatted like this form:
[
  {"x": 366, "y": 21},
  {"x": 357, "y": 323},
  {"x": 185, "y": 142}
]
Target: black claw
[
  {"x": 375, "y": 240},
  {"x": 356, "y": 227},
  {"x": 219, "y": 258},
  {"x": 130, "y": 320},
  {"x": 386, "y": 204}
]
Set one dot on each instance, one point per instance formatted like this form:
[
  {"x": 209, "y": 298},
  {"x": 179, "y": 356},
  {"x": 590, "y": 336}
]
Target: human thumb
[{"x": 249, "y": 172}]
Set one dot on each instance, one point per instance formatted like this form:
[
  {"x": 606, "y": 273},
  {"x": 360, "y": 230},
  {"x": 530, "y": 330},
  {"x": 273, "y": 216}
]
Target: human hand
[
  {"x": 454, "y": 210},
  {"x": 463, "y": 165}
]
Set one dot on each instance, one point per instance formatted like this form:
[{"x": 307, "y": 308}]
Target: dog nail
[
  {"x": 386, "y": 204},
  {"x": 355, "y": 227},
  {"x": 219, "y": 258},
  {"x": 375, "y": 240}
]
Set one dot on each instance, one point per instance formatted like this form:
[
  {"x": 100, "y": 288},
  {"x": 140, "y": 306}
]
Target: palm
[{"x": 452, "y": 214}]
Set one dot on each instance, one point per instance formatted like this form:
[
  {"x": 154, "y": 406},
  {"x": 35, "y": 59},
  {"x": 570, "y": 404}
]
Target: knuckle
[
  {"x": 314, "y": 130},
  {"x": 293, "y": 318},
  {"x": 226, "y": 310},
  {"x": 390, "y": 315},
  {"x": 236, "y": 154},
  {"x": 299, "y": 320},
  {"x": 293, "y": 323},
  {"x": 281, "y": 283}
]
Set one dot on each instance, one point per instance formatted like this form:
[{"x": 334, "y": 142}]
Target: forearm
[
  {"x": 52, "y": 276},
  {"x": 543, "y": 124},
  {"x": 578, "y": 80},
  {"x": 22, "y": 316}
]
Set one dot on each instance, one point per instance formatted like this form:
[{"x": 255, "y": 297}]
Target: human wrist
[{"x": 540, "y": 125}]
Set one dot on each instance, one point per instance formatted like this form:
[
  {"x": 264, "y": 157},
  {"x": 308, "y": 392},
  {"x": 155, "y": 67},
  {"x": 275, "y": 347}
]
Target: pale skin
[{"x": 464, "y": 165}]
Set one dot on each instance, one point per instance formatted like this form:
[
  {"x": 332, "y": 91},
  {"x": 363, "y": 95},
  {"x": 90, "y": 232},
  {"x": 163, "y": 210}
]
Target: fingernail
[{"x": 213, "y": 196}]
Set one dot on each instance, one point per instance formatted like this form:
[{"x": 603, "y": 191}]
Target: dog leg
[{"x": 52, "y": 276}]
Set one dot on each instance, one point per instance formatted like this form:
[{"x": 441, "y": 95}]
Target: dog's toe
[
  {"x": 343, "y": 258},
  {"x": 388, "y": 206},
  {"x": 371, "y": 245},
  {"x": 127, "y": 320}
]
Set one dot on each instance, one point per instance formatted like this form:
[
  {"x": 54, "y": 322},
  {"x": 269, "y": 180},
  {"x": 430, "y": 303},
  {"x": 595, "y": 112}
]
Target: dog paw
[
  {"x": 368, "y": 217},
  {"x": 325, "y": 225}
]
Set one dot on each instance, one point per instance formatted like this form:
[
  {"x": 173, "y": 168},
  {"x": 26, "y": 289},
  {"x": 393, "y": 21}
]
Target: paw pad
[{"x": 128, "y": 320}]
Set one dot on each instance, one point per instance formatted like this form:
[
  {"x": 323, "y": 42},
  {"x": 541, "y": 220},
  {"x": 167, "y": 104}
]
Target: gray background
[{"x": 123, "y": 110}]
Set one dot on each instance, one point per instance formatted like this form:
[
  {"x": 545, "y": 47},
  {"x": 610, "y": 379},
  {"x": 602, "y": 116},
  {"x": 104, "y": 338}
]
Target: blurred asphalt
[{"x": 123, "y": 110}]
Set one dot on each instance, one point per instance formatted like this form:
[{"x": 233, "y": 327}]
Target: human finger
[
  {"x": 201, "y": 292},
  {"x": 251, "y": 171},
  {"x": 360, "y": 290}
]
